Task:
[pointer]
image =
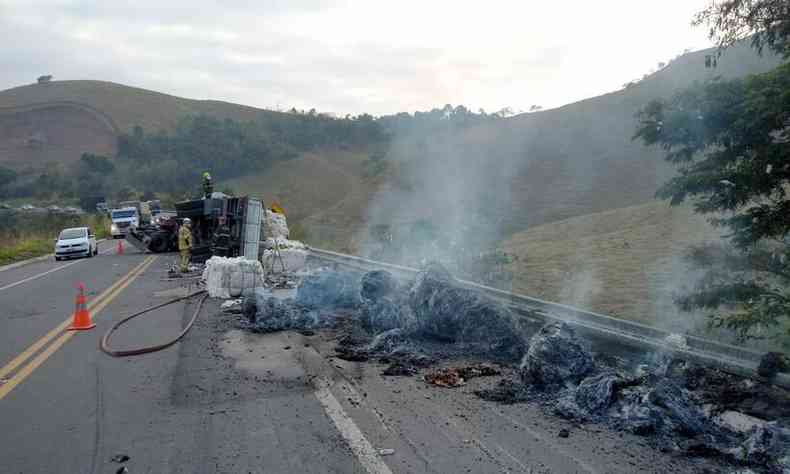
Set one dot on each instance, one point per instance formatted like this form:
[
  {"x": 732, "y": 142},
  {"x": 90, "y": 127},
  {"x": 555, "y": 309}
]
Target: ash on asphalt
[{"x": 433, "y": 319}]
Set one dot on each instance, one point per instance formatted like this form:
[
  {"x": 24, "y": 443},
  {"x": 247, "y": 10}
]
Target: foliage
[
  {"x": 436, "y": 120},
  {"x": 729, "y": 140},
  {"x": 767, "y": 22},
  {"x": 228, "y": 148},
  {"x": 7, "y": 176},
  {"x": 752, "y": 286}
]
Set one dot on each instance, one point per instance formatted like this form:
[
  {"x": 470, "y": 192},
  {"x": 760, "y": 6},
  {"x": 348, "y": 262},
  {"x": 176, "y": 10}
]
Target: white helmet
[{"x": 187, "y": 221}]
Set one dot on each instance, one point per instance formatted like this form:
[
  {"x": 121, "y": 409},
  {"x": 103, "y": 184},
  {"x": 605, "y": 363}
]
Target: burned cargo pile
[
  {"x": 433, "y": 312},
  {"x": 668, "y": 401},
  {"x": 320, "y": 299},
  {"x": 431, "y": 317}
]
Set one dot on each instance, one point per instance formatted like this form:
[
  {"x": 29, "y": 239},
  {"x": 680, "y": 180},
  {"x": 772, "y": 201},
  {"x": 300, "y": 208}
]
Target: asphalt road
[{"x": 224, "y": 401}]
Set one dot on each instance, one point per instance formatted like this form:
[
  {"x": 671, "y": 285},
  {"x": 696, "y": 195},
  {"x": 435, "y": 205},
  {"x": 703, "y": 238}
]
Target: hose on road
[{"x": 105, "y": 347}]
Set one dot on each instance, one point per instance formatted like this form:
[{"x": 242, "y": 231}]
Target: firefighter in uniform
[{"x": 185, "y": 243}]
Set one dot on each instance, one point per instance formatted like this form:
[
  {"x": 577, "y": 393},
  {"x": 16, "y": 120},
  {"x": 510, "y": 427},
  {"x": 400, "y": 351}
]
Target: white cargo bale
[
  {"x": 229, "y": 277},
  {"x": 293, "y": 259},
  {"x": 276, "y": 227},
  {"x": 283, "y": 244}
]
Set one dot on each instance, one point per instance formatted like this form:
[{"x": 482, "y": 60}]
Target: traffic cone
[
  {"x": 82, "y": 318},
  {"x": 119, "y": 248}
]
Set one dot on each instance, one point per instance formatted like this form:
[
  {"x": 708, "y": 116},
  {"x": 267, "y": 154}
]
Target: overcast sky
[{"x": 344, "y": 57}]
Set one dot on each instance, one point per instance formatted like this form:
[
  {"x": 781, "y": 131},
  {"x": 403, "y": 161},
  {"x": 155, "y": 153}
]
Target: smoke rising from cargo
[{"x": 447, "y": 198}]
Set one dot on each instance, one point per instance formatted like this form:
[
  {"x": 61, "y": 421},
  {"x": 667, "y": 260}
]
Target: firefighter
[
  {"x": 208, "y": 186},
  {"x": 185, "y": 243}
]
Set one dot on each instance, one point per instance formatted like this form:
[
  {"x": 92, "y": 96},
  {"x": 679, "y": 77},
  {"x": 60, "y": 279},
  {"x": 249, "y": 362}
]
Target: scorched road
[{"x": 225, "y": 401}]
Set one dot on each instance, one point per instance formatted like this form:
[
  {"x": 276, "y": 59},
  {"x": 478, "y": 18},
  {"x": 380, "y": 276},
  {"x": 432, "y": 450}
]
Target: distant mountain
[{"x": 59, "y": 120}]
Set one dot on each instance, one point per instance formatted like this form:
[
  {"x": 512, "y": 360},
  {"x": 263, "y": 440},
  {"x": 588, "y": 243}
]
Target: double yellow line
[{"x": 95, "y": 306}]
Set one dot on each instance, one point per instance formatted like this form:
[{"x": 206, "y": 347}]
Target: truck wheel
[
  {"x": 158, "y": 244},
  {"x": 57, "y": 259}
]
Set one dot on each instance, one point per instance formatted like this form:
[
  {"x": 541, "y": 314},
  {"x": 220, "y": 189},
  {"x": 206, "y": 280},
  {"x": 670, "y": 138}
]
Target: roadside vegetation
[
  {"x": 24, "y": 236},
  {"x": 729, "y": 141}
]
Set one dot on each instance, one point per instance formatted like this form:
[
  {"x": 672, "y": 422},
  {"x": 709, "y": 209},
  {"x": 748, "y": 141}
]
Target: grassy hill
[
  {"x": 625, "y": 262},
  {"x": 125, "y": 106}
]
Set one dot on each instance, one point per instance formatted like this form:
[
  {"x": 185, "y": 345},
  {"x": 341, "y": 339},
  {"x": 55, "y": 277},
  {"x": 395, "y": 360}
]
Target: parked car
[{"x": 75, "y": 242}]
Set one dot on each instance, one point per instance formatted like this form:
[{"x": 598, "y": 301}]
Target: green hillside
[{"x": 126, "y": 106}]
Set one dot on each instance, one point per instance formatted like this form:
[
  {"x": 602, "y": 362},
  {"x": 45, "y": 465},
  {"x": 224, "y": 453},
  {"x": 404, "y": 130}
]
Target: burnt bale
[
  {"x": 681, "y": 414},
  {"x": 252, "y": 300},
  {"x": 274, "y": 314},
  {"x": 445, "y": 311},
  {"x": 589, "y": 399},
  {"x": 329, "y": 289},
  {"x": 596, "y": 393},
  {"x": 771, "y": 364},
  {"x": 767, "y": 445},
  {"x": 556, "y": 356},
  {"x": 377, "y": 285},
  {"x": 383, "y": 315}
]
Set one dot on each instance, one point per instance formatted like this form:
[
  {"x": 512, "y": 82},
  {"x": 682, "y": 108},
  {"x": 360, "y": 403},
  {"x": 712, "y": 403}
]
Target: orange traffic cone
[
  {"x": 119, "y": 248},
  {"x": 82, "y": 318}
]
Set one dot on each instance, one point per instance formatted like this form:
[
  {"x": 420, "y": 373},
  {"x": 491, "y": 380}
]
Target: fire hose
[{"x": 104, "y": 345}]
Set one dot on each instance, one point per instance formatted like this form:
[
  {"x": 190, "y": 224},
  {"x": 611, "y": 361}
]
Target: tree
[
  {"x": 7, "y": 176},
  {"x": 97, "y": 164},
  {"x": 729, "y": 142},
  {"x": 767, "y": 22}
]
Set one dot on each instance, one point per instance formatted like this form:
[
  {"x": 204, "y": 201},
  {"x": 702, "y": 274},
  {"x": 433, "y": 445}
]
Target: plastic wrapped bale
[
  {"x": 285, "y": 260},
  {"x": 445, "y": 311},
  {"x": 229, "y": 277},
  {"x": 329, "y": 289},
  {"x": 555, "y": 356},
  {"x": 377, "y": 285},
  {"x": 276, "y": 226},
  {"x": 682, "y": 415}
]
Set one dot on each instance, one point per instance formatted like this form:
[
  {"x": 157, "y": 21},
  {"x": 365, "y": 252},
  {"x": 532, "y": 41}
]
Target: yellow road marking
[
  {"x": 35, "y": 347},
  {"x": 96, "y": 306}
]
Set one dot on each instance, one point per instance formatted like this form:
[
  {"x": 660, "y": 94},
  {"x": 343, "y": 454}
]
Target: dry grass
[
  {"x": 624, "y": 262},
  {"x": 325, "y": 195},
  {"x": 36, "y": 236}
]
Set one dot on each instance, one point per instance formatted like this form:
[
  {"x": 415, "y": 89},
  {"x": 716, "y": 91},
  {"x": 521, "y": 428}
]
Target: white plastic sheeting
[
  {"x": 276, "y": 226},
  {"x": 292, "y": 259},
  {"x": 229, "y": 277},
  {"x": 281, "y": 254}
]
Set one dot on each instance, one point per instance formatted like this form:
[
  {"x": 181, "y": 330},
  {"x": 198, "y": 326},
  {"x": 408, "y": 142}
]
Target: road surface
[{"x": 224, "y": 401}]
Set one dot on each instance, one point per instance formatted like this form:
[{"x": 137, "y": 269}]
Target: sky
[{"x": 346, "y": 57}]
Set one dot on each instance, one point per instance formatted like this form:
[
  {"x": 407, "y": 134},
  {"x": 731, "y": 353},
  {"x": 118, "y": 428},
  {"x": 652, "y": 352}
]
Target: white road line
[
  {"x": 11, "y": 285},
  {"x": 360, "y": 446}
]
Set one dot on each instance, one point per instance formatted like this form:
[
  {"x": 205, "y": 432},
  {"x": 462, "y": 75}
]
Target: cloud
[{"x": 349, "y": 57}]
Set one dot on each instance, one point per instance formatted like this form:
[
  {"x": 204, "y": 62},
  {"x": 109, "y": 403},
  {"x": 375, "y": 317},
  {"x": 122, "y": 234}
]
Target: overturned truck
[{"x": 226, "y": 226}]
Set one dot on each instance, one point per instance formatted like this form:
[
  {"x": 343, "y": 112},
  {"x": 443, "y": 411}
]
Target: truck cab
[{"x": 122, "y": 219}]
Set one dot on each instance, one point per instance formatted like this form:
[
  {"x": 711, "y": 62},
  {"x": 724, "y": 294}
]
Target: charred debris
[{"x": 681, "y": 407}]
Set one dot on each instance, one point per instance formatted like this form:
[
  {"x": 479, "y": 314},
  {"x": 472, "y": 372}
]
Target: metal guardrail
[{"x": 627, "y": 335}]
